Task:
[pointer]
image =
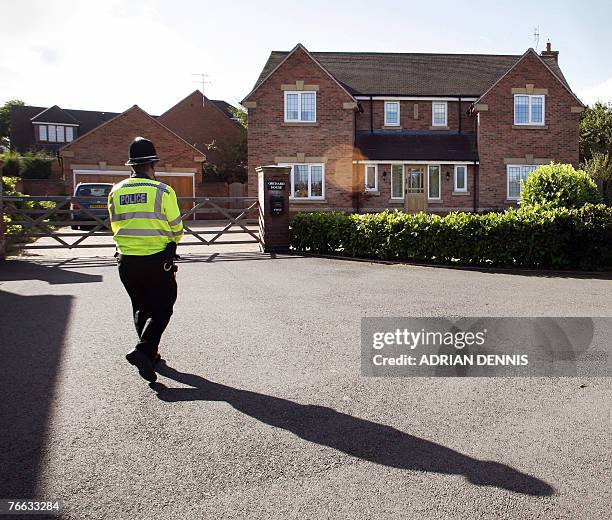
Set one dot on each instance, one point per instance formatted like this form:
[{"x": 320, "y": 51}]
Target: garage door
[{"x": 183, "y": 184}]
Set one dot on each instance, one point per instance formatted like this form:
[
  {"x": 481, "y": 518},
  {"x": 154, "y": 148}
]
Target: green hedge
[{"x": 557, "y": 238}]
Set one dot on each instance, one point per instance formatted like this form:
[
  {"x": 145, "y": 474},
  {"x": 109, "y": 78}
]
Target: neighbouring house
[
  {"x": 202, "y": 122},
  {"x": 436, "y": 132},
  {"x": 48, "y": 129},
  {"x": 100, "y": 155},
  {"x": 93, "y": 145}
]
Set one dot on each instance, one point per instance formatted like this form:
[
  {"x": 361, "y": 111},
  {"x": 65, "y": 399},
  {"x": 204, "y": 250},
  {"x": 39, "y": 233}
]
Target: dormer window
[
  {"x": 528, "y": 109},
  {"x": 55, "y": 133},
  {"x": 300, "y": 107}
]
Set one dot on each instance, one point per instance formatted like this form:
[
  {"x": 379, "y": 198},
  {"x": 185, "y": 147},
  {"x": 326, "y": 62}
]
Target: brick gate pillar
[{"x": 273, "y": 193}]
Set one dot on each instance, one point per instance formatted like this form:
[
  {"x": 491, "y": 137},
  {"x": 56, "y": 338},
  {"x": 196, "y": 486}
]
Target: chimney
[{"x": 549, "y": 53}]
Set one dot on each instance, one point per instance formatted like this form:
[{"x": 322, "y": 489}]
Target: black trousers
[{"x": 153, "y": 293}]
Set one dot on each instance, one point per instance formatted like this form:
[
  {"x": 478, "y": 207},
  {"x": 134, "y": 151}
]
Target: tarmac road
[{"x": 262, "y": 412}]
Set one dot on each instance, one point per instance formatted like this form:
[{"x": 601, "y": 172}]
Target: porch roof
[{"x": 417, "y": 145}]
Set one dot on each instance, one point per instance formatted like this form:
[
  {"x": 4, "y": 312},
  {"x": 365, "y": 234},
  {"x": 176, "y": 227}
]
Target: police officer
[{"x": 147, "y": 226}]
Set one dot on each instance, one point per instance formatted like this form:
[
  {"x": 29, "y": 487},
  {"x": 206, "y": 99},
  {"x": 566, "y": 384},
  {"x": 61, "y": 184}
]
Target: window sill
[
  {"x": 396, "y": 201},
  {"x": 439, "y": 127},
  {"x": 512, "y": 201},
  {"x": 434, "y": 201},
  {"x": 307, "y": 201},
  {"x": 391, "y": 127},
  {"x": 296, "y": 123},
  {"x": 461, "y": 193},
  {"x": 530, "y": 127},
  {"x": 372, "y": 192}
]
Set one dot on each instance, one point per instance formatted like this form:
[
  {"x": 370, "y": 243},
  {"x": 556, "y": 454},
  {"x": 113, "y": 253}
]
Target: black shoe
[{"x": 142, "y": 362}]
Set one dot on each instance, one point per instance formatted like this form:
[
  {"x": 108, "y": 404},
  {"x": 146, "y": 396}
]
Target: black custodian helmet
[{"x": 142, "y": 151}]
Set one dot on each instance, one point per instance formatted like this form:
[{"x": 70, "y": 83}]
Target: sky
[{"x": 109, "y": 55}]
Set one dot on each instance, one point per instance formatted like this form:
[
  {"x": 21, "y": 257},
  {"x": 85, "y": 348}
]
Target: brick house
[
  {"x": 201, "y": 122},
  {"x": 100, "y": 155},
  {"x": 95, "y": 144},
  {"x": 436, "y": 132}
]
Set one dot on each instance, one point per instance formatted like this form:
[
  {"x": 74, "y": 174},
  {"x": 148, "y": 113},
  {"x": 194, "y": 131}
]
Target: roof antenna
[
  {"x": 536, "y": 38},
  {"x": 202, "y": 81}
]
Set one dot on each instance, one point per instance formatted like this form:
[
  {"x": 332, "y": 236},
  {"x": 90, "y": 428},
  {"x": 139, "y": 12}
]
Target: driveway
[{"x": 262, "y": 412}]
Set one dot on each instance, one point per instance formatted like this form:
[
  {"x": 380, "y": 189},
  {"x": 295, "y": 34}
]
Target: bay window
[
  {"x": 516, "y": 174},
  {"x": 307, "y": 181}
]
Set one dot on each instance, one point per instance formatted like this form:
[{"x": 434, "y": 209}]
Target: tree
[
  {"x": 596, "y": 130},
  {"x": 232, "y": 156},
  {"x": 599, "y": 166},
  {"x": 5, "y": 118}
]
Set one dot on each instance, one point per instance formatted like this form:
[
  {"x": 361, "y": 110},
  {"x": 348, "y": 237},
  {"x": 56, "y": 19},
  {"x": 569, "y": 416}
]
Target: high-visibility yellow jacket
[{"x": 144, "y": 216}]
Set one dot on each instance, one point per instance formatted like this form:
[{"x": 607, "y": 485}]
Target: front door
[{"x": 414, "y": 189}]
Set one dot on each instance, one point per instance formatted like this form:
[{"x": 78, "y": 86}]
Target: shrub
[
  {"x": 11, "y": 164},
  {"x": 559, "y": 185},
  {"x": 36, "y": 165},
  {"x": 540, "y": 237},
  {"x": 15, "y": 232}
]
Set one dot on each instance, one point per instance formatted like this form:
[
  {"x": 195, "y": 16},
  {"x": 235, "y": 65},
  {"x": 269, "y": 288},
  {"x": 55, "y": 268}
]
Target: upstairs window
[
  {"x": 460, "y": 178},
  {"x": 55, "y": 133},
  {"x": 528, "y": 110},
  {"x": 439, "y": 113},
  {"x": 392, "y": 113},
  {"x": 300, "y": 107}
]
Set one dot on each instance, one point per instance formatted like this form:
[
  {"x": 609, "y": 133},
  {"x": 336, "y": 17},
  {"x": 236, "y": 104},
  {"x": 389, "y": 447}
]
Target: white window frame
[
  {"x": 465, "y": 188},
  {"x": 71, "y": 128},
  {"x": 403, "y": 182},
  {"x": 299, "y": 106},
  {"x": 530, "y": 119},
  {"x": 433, "y": 120},
  {"x": 365, "y": 177},
  {"x": 399, "y": 110},
  {"x": 40, "y": 133},
  {"x": 534, "y": 166},
  {"x": 57, "y": 133},
  {"x": 439, "y": 197},
  {"x": 310, "y": 165}
]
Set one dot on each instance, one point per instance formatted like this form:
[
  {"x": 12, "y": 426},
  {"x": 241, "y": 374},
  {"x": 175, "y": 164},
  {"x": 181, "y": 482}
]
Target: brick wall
[
  {"x": 201, "y": 124},
  {"x": 407, "y": 119},
  {"x": 497, "y": 139},
  {"x": 108, "y": 144},
  {"x": 331, "y": 137}
]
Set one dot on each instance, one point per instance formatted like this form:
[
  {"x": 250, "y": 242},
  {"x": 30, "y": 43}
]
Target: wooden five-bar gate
[{"x": 224, "y": 220}]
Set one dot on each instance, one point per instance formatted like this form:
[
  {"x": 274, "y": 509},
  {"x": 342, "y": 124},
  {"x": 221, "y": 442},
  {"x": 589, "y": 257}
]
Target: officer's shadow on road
[{"x": 357, "y": 437}]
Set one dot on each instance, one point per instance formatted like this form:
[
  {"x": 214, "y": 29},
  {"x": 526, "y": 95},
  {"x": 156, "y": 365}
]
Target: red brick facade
[
  {"x": 201, "y": 123},
  {"x": 331, "y": 139},
  {"x": 499, "y": 138},
  {"x": 106, "y": 147},
  {"x": 328, "y": 141}
]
